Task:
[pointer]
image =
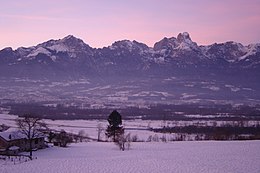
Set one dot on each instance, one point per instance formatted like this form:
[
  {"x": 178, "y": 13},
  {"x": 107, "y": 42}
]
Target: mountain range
[
  {"x": 176, "y": 66},
  {"x": 71, "y": 57}
]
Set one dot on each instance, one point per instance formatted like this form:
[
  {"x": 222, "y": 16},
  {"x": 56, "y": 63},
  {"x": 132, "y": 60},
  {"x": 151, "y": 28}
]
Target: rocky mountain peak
[
  {"x": 128, "y": 45},
  {"x": 165, "y": 43},
  {"x": 7, "y": 49},
  {"x": 72, "y": 41},
  {"x": 184, "y": 37},
  {"x": 182, "y": 42}
]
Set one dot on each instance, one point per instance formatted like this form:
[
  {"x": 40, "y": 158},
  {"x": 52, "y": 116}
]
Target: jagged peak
[
  {"x": 68, "y": 43},
  {"x": 122, "y": 42},
  {"x": 128, "y": 44},
  {"x": 234, "y": 43},
  {"x": 68, "y": 40},
  {"x": 183, "y": 41},
  {"x": 70, "y": 37},
  {"x": 231, "y": 45},
  {"x": 7, "y": 49},
  {"x": 73, "y": 39},
  {"x": 183, "y": 37}
]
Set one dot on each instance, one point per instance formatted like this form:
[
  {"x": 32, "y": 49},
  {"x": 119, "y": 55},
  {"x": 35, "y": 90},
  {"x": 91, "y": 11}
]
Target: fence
[{"x": 14, "y": 159}]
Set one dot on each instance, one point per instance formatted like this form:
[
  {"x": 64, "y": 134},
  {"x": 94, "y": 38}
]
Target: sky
[{"x": 99, "y": 23}]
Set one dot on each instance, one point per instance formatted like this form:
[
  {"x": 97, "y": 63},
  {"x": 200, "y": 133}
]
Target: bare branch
[{"x": 30, "y": 127}]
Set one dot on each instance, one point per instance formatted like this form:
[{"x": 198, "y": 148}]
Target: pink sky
[{"x": 101, "y": 22}]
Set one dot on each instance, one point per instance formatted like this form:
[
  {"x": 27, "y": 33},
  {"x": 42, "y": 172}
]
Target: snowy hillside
[
  {"x": 143, "y": 157},
  {"x": 184, "y": 157}
]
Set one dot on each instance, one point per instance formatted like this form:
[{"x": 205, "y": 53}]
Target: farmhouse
[{"x": 15, "y": 141}]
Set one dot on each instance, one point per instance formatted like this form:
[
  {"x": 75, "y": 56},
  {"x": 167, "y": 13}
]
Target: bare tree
[
  {"x": 100, "y": 129},
  {"x": 82, "y": 134},
  {"x": 30, "y": 127},
  {"x": 123, "y": 141},
  {"x": 4, "y": 127}
]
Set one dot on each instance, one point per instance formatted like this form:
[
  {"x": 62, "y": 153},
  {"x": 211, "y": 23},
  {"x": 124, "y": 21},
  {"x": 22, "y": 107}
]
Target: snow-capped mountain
[
  {"x": 174, "y": 70},
  {"x": 72, "y": 57},
  {"x": 182, "y": 42}
]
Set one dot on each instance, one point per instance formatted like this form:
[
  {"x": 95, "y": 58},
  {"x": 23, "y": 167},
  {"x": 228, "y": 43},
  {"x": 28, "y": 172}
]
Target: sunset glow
[{"x": 100, "y": 23}]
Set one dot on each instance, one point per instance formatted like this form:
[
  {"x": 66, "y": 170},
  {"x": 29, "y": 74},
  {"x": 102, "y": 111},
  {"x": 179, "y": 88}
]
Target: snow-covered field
[
  {"x": 186, "y": 156},
  {"x": 137, "y": 127},
  {"x": 195, "y": 157}
]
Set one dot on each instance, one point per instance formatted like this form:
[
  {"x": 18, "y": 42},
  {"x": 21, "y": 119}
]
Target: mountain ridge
[
  {"x": 182, "y": 41},
  {"x": 168, "y": 56}
]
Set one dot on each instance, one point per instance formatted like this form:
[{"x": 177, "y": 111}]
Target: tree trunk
[
  {"x": 30, "y": 141},
  {"x": 123, "y": 146},
  {"x": 114, "y": 136},
  {"x": 98, "y": 136}
]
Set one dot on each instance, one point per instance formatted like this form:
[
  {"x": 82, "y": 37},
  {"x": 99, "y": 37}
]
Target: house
[{"x": 13, "y": 142}]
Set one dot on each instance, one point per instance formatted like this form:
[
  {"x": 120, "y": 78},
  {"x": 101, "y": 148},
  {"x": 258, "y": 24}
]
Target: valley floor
[{"x": 195, "y": 157}]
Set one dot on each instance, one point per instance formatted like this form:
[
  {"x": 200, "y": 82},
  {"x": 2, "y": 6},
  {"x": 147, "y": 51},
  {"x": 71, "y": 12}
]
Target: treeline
[
  {"x": 58, "y": 112},
  {"x": 154, "y": 112},
  {"x": 227, "y": 132}
]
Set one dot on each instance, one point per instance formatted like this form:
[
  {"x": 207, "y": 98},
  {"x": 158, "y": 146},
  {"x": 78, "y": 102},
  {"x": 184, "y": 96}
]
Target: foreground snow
[{"x": 195, "y": 157}]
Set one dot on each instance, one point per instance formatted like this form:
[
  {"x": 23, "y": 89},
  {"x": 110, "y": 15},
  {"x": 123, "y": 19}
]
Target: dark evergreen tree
[{"x": 115, "y": 128}]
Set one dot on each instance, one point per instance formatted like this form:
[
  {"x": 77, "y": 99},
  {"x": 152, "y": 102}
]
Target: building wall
[
  {"x": 3, "y": 143},
  {"x": 23, "y": 144},
  {"x": 37, "y": 143}
]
